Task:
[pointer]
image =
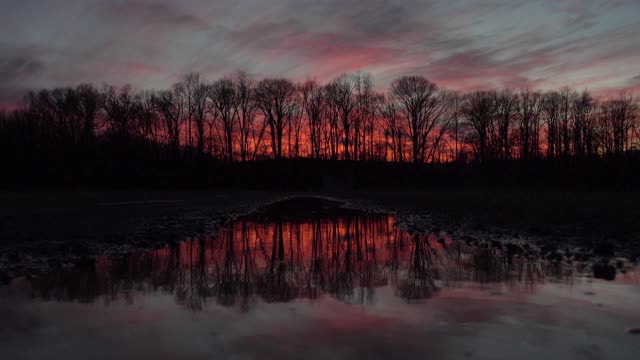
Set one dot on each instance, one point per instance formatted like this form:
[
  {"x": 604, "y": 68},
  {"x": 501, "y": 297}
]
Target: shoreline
[{"x": 41, "y": 232}]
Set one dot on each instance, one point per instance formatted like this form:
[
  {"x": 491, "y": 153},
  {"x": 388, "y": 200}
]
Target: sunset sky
[{"x": 459, "y": 44}]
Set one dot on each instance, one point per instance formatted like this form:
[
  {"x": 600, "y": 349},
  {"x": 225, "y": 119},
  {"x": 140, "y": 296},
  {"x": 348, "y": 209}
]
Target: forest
[{"x": 90, "y": 135}]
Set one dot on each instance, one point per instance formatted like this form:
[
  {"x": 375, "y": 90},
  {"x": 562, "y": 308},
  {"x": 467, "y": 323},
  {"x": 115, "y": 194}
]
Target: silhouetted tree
[
  {"x": 276, "y": 99},
  {"x": 529, "y": 124},
  {"x": 507, "y": 103},
  {"x": 90, "y": 103},
  {"x": 363, "y": 117},
  {"x": 552, "y": 108},
  {"x": 122, "y": 109},
  {"x": 423, "y": 107},
  {"x": 617, "y": 118},
  {"x": 313, "y": 103},
  {"x": 341, "y": 92},
  {"x": 170, "y": 104},
  {"x": 295, "y": 123},
  {"x": 224, "y": 99},
  {"x": 196, "y": 97},
  {"x": 583, "y": 110},
  {"x": 245, "y": 109},
  {"x": 479, "y": 108}
]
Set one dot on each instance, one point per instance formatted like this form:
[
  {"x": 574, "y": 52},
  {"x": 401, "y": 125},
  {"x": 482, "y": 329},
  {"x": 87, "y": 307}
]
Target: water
[{"x": 328, "y": 285}]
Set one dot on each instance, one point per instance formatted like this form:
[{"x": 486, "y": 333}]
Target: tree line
[{"x": 239, "y": 118}]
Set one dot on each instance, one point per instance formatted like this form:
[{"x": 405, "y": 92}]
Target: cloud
[
  {"x": 10, "y": 97},
  {"x": 21, "y": 68},
  {"x": 462, "y": 44},
  {"x": 17, "y": 68},
  {"x": 145, "y": 13}
]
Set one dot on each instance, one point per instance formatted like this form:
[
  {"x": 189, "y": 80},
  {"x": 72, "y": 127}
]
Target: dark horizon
[{"x": 239, "y": 118}]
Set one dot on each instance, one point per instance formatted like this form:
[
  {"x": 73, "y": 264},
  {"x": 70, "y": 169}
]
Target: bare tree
[
  {"x": 341, "y": 92},
  {"x": 617, "y": 122},
  {"x": 296, "y": 122},
  {"x": 423, "y": 106},
  {"x": 146, "y": 123},
  {"x": 479, "y": 108},
  {"x": 60, "y": 109},
  {"x": 582, "y": 117},
  {"x": 314, "y": 102},
  {"x": 121, "y": 107},
  {"x": 196, "y": 94},
  {"x": 90, "y": 103},
  {"x": 332, "y": 133},
  {"x": 223, "y": 96},
  {"x": 363, "y": 115},
  {"x": 437, "y": 141},
  {"x": 171, "y": 106},
  {"x": 530, "y": 124},
  {"x": 373, "y": 131},
  {"x": 507, "y": 103},
  {"x": 394, "y": 135},
  {"x": 245, "y": 109},
  {"x": 276, "y": 99},
  {"x": 552, "y": 108},
  {"x": 456, "y": 99}
]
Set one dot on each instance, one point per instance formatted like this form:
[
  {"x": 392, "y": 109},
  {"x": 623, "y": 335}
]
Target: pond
[{"x": 311, "y": 280}]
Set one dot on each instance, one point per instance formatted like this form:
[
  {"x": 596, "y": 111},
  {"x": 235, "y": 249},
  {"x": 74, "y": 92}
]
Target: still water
[{"x": 326, "y": 286}]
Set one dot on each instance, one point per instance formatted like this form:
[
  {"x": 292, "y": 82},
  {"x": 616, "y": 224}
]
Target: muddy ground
[{"x": 44, "y": 230}]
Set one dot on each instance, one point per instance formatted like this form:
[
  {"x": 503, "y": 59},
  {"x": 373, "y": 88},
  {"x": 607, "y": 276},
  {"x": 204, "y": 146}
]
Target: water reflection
[{"x": 346, "y": 257}]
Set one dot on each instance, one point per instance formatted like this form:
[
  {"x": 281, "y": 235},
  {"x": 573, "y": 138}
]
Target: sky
[{"x": 458, "y": 44}]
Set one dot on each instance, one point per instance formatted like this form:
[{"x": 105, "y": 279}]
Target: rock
[
  {"x": 548, "y": 248},
  {"x": 513, "y": 249},
  {"x": 604, "y": 249},
  {"x": 86, "y": 263},
  {"x": 469, "y": 239},
  {"x": 553, "y": 256},
  {"x": 545, "y": 231},
  {"x": 604, "y": 271},
  {"x": 534, "y": 229},
  {"x": 581, "y": 257},
  {"x": 4, "y": 278}
]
